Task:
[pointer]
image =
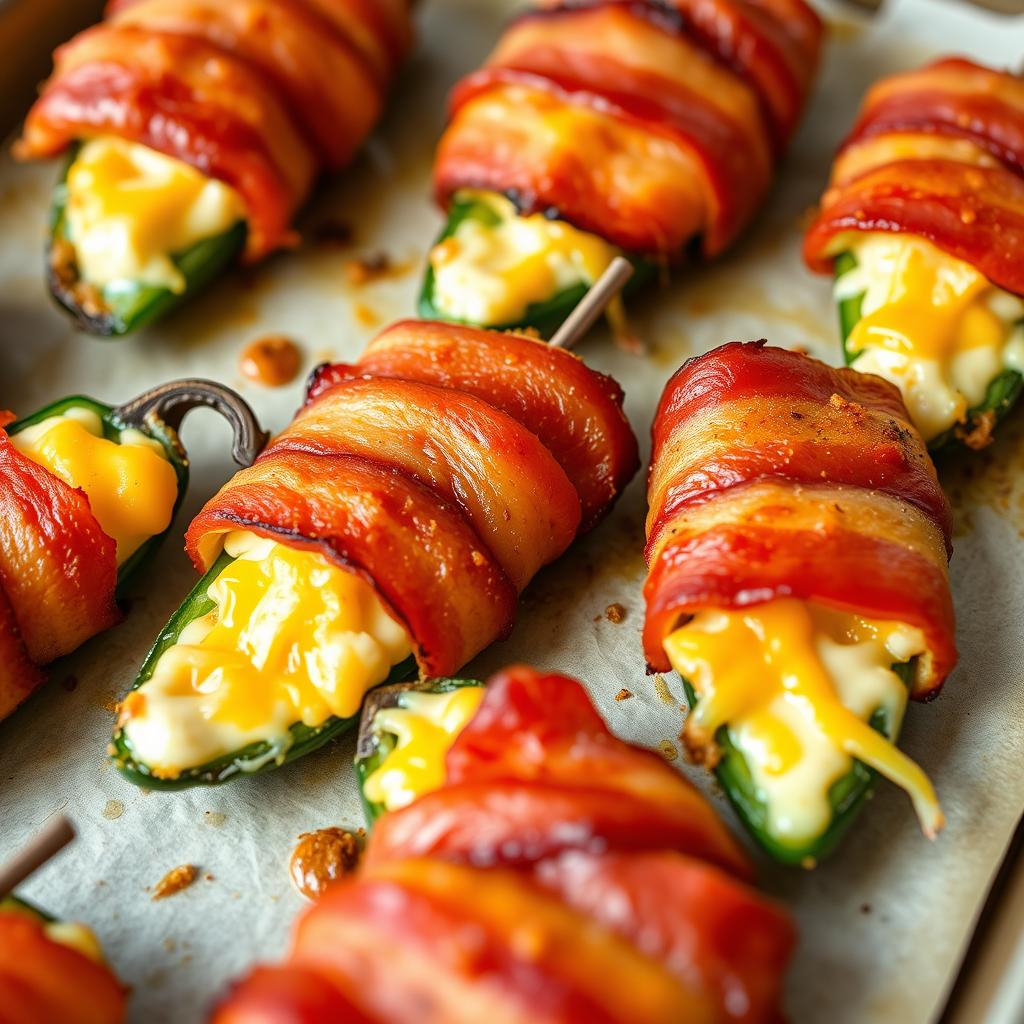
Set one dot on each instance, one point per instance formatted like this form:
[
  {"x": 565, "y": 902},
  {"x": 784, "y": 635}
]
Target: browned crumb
[
  {"x": 322, "y": 858},
  {"x": 980, "y": 432},
  {"x": 668, "y": 750},
  {"x": 699, "y": 749},
  {"x": 174, "y": 881},
  {"x": 272, "y": 361},
  {"x": 615, "y": 613},
  {"x": 624, "y": 694},
  {"x": 372, "y": 268}
]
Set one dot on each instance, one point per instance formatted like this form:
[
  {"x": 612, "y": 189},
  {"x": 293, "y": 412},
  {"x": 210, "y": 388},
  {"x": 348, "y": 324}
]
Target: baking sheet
[{"x": 883, "y": 925}]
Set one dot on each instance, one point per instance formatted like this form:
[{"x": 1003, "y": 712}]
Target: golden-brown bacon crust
[
  {"x": 963, "y": 188},
  {"x": 775, "y": 475},
  {"x": 574, "y": 411},
  {"x": 258, "y": 93},
  {"x": 592, "y": 924},
  {"x": 47, "y": 982},
  {"x": 440, "y": 485},
  {"x": 58, "y": 571},
  {"x": 644, "y": 123}
]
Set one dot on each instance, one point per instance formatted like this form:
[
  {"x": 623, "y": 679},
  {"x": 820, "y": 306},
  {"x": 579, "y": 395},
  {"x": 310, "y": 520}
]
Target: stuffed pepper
[
  {"x": 923, "y": 227},
  {"x": 193, "y": 131},
  {"x": 391, "y": 525},
  {"x": 87, "y": 491},
  {"x": 598, "y": 129},
  {"x": 554, "y": 874},
  {"x": 797, "y": 549},
  {"x": 53, "y": 972}
]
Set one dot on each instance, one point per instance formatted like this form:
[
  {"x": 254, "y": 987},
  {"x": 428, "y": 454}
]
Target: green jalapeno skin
[
  {"x": 256, "y": 758},
  {"x": 112, "y": 428},
  {"x": 846, "y": 796},
  {"x": 135, "y": 304},
  {"x": 384, "y": 743},
  {"x": 16, "y": 905},
  {"x": 544, "y": 317},
  {"x": 1000, "y": 397}
]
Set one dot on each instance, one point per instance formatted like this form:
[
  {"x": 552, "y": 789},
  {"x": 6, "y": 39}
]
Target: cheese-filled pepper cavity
[
  {"x": 650, "y": 130},
  {"x": 195, "y": 129},
  {"x": 797, "y": 543},
  {"x": 393, "y": 523},
  {"x": 923, "y": 228}
]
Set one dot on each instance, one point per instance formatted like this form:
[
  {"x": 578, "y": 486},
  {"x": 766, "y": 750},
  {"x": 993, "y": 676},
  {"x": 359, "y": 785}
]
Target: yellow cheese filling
[
  {"x": 130, "y": 209},
  {"x": 797, "y": 684},
  {"x": 931, "y": 324},
  {"x": 131, "y": 486},
  {"x": 492, "y": 273},
  {"x": 424, "y": 726},
  {"x": 292, "y": 639}
]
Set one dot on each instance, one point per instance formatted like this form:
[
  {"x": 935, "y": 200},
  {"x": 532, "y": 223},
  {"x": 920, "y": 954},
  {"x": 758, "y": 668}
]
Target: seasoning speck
[
  {"x": 321, "y": 858},
  {"x": 113, "y": 809},
  {"x": 272, "y": 361},
  {"x": 668, "y": 749},
  {"x": 662, "y": 690},
  {"x": 175, "y": 880},
  {"x": 615, "y": 613},
  {"x": 624, "y": 694}
]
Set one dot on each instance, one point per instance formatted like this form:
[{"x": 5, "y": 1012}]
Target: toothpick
[
  {"x": 49, "y": 842},
  {"x": 593, "y": 304}
]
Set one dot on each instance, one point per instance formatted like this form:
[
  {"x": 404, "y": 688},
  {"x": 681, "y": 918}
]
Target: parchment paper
[{"x": 883, "y": 924}]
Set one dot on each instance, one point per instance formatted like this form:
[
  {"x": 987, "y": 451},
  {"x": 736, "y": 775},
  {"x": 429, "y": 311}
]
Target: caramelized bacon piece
[
  {"x": 261, "y": 94},
  {"x": 598, "y": 925},
  {"x": 776, "y": 475},
  {"x": 58, "y": 571},
  {"x": 446, "y": 479},
  {"x": 47, "y": 982},
  {"x": 937, "y": 153},
  {"x": 645, "y": 125}
]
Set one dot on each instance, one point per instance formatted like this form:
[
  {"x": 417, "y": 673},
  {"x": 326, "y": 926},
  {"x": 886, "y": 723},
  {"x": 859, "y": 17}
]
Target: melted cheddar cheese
[
  {"x": 424, "y": 726},
  {"x": 931, "y": 324},
  {"x": 131, "y": 487},
  {"x": 130, "y": 209},
  {"x": 291, "y": 639},
  {"x": 796, "y": 685},
  {"x": 492, "y": 273}
]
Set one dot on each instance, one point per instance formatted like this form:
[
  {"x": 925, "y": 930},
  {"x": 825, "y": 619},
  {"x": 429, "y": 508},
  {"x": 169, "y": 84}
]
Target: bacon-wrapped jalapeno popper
[
  {"x": 53, "y": 972},
  {"x": 603, "y": 128},
  {"x": 196, "y": 129},
  {"x": 399, "y": 516},
  {"x": 84, "y": 499},
  {"x": 923, "y": 226},
  {"x": 553, "y": 874},
  {"x": 797, "y": 549}
]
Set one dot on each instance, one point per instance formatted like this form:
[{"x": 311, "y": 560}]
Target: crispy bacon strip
[
  {"x": 594, "y": 924},
  {"x": 645, "y": 124},
  {"x": 261, "y": 94},
  {"x": 776, "y": 475},
  {"x": 46, "y": 982},
  {"x": 58, "y": 571},
  {"x": 937, "y": 153},
  {"x": 446, "y": 468}
]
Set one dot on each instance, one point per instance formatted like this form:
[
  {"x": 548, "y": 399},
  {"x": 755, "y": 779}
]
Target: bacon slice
[
  {"x": 46, "y": 982},
  {"x": 58, "y": 569},
  {"x": 738, "y": 515},
  {"x": 588, "y": 435},
  {"x": 937, "y": 153},
  {"x": 603, "y": 926},
  {"x": 437, "y": 489},
  {"x": 644, "y": 125},
  {"x": 19, "y": 674},
  {"x": 258, "y": 93}
]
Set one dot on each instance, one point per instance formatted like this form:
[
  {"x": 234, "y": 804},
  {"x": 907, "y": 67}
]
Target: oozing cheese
[
  {"x": 130, "y": 484},
  {"x": 130, "y": 208},
  {"x": 424, "y": 726},
  {"x": 797, "y": 684},
  {"x": 292, "y": 639},
  {"x": 491, "y": 274},
  {"x": 931, "y": 324}
]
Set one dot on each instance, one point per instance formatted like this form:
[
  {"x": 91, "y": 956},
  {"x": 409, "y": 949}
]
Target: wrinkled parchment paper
[{"x": 883, "y": 925}]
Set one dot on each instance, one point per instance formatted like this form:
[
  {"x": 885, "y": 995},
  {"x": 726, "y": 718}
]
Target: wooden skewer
[
  {"x": 593, "y": 304},
  {"x": 49, "y": 842}
]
